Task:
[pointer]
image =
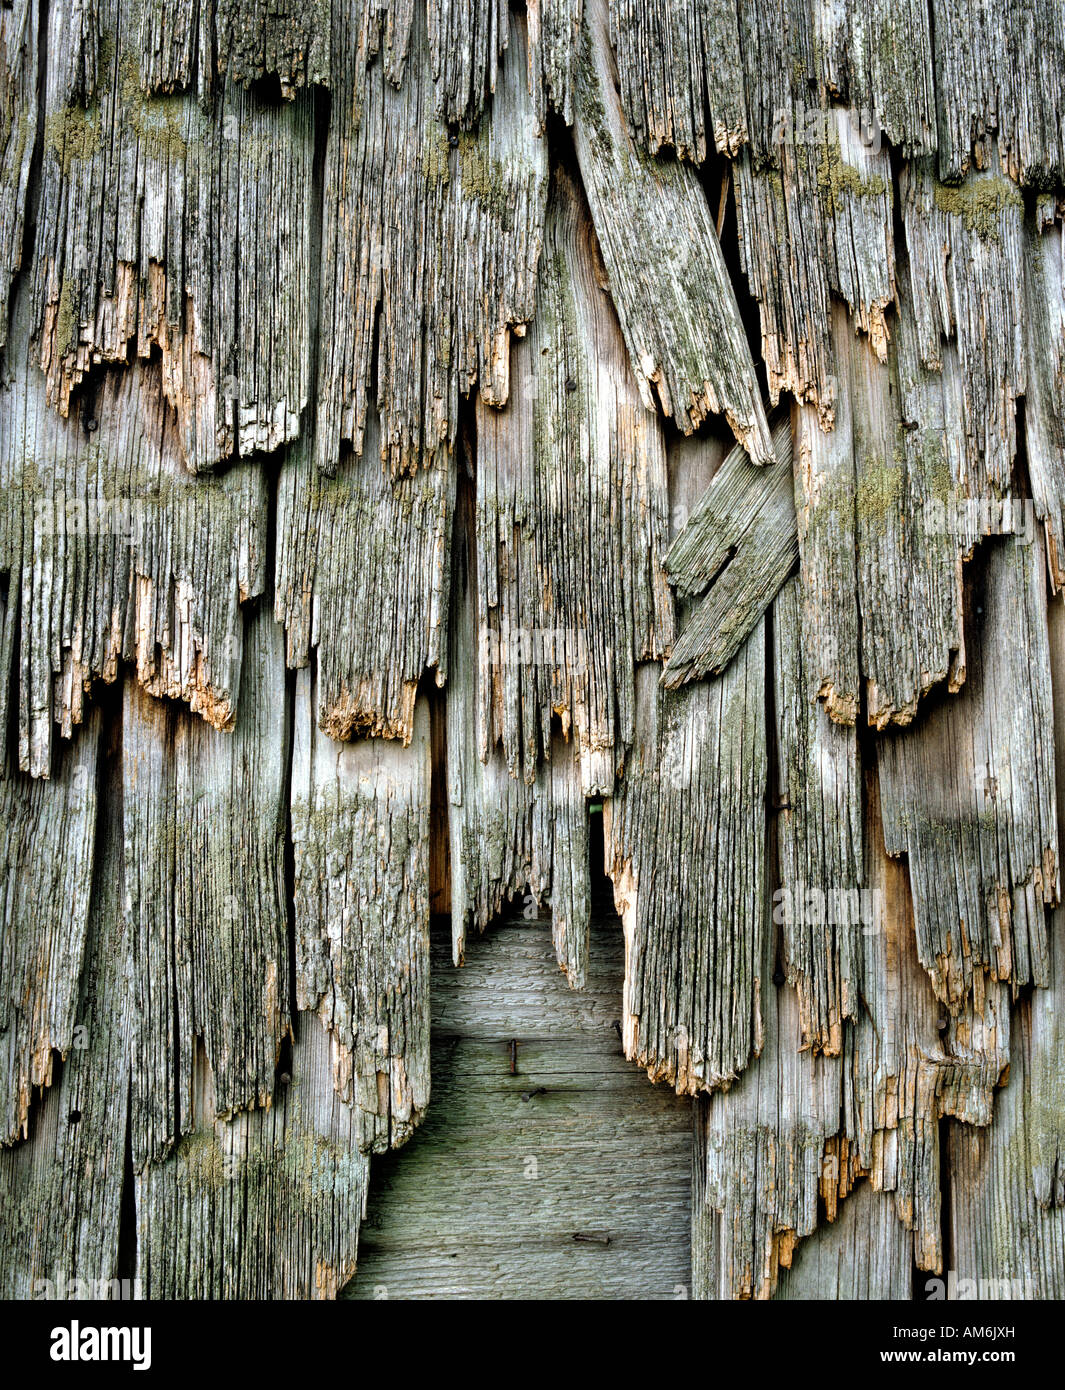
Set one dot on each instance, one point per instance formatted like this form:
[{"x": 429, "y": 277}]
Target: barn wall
[{"x": 429, "y": 432}]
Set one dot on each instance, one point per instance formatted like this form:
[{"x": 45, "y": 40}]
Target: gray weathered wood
[
  {"x": 429, "y": 254},
  {"x": 204, "y": 824},
  {"x": 360, "y": 837},
  {"x": 969, "y": 797},
  {"x": 735, "y": 551},
  {"x": 46, "y": 867},
  {"x": 572, "y": 494},
  {"x": 158, "y": 227},
  {"x": 539, "y": 1162},
  {"x": 362, "y": 577},
  {"x": 664, "y": 265},
  {"x": 685, "y": 847}
]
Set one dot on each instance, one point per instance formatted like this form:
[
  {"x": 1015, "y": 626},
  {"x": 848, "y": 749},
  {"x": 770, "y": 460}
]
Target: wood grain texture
[
  {"x": 734, "y": 552},
  {"x": 47, "y": 869},
  {"x": 522, "y": 1185},
  {"x": 571, "y": 501},
  {"x": 158, "y": 228},
  {"x": 430, "y": 245},
  {"x": 265, "y": 1204},
  {"x": 510, "y": 832},
  {"x": 361, "y": 367},
  {"x": 64, "y": 1184},
  {"x": 685, "y": 847},
  {"x": 362, "y": 578},
  {"x": 360, "y": 836},
  {"x": 863, "y": 1254},
  {"x": 663, "y": 263},
  {"x": 822, "y": 879},
  {"x": 973, "y": 788},
  {"x": 18, "y": 136},
  {"x": 204, "y": 824}
]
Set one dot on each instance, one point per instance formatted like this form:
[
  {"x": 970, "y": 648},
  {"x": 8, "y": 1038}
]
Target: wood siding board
[
  {"x": 735, "y": 551},
  {"x": 685, "y": 847},
  {"x": 159, "y": 226},
  {"x": 664, "y": 264},
  {"x": 64, "y": 1182},
  {"x": 116, "y": 552},
  {"x": 204, "y": 824},
  {"x": 430, "y": 252},
  {"x": 557, "y": 1162},
  {"x": 973, "y": 789},
  {"x": 360, "y": 834},
  {"x": 572, "y": 497},
  {"x": 362, "y": 580},
  {"x": 47, "y": 869}
]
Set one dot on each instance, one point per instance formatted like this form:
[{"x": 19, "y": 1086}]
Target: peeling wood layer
[
  {"x": 114, "y": 552},
  {"x": 64, "y": 1184},
  {"x": 678, "y": 313},
  {"x": 362, "y": 580},
  {"x": 159, "y": 227},
  {"x": 203, "y": 818},
  {"x": 570, "y": 517},
  {"x": 18, "y": 135},
  {"x": 360, "y": 836},
  {"x": 429, "y": 253},
  {"x": 509, "y": 834},
  {"x": 685, "y": 847},
  {"x": 969, "y": 797},
  {"x": 266, "y": 1204},
  {"x": 735, "y": 551},
  {"x": 47, "y": 870},
  {"x": 822, "y": 879}
]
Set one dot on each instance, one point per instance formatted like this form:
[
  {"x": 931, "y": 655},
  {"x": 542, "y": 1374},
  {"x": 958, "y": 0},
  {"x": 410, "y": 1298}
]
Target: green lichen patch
[{"x": 980, "y": 204}]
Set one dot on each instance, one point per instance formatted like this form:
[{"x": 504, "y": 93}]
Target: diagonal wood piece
[{"x": 737, "y": 549}]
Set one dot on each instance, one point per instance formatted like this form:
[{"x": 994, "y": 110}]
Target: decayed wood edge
[
  {"x": 745, "y": 63},
  {"x": 362, "y": 576},
  {"x": 46, "y": 866},
  {"x": 554, "y": 52},
  {"x": 113, "y": 552},
  {"x": 972, "y": 788},
  {"x": 926, "y": 76},
  {"x": 204, "y": 826},
  {"x": 429, "y": 252},
  {"x": 666, "y": 271},
  {"x": 1000, "y": 84},
  {"x": 1044, "y": 326},
  {"x": 1007, "y": 1200},
  {"x": 864, "y": 1254},
  {"x": 360, "y": 835},
  {"x": 509, "y": 834},
  {"x": 265, "y": 1204},
  {"x": 571, "y": 502},
  {"x": 63, "y": 1184},
  {"x": 760, "y": 1147},
  {"x": 822, "y": 880},
  {"x": 966, "y": 267},
  {"x": 158, "y": 227},
  {"x": 736, "y": 550},
  {"x": 685, "y": 848},
  {"x": 799, "y": 1125}
]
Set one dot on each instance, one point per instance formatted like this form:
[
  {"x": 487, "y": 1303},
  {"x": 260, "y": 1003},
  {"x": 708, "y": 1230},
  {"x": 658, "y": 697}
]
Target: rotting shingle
[
  {"x": 159, "y": 227},
  {"x": 430, "y": 248},
  {"x": 360, "y": 836},
  {"x": 664, "y": 266},
  {"x": 114, "y": 552}
]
